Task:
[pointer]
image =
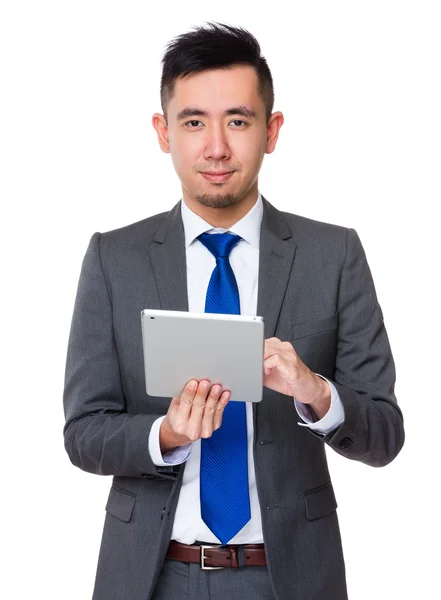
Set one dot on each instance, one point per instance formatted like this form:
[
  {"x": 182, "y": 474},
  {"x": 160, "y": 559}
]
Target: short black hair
[{"x": 214, "y": 46}]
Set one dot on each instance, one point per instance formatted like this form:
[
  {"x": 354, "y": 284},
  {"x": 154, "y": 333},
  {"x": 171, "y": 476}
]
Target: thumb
[{"x": 174, "y": 405}]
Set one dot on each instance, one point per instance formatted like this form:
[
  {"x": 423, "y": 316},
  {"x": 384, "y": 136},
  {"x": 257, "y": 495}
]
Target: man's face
[{"x": 217, "y": 135}]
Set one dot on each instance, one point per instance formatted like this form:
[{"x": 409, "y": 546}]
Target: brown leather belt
[{"x": 218, "y": 557}]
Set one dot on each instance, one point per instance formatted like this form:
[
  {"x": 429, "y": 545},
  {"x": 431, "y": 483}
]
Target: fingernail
[{"x": 193, "y": 385}]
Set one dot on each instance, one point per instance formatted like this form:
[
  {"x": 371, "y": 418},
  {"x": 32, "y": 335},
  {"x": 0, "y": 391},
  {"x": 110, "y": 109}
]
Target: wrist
[
  {"x": 322, "y": 403},
  {"x": 169, "y": 439}
]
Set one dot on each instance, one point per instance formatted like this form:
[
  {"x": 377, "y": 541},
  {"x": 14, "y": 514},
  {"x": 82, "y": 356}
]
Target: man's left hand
[{"x": 284, "y": 372}]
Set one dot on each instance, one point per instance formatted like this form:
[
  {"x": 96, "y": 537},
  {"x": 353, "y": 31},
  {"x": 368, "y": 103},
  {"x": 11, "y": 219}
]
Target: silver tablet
[{"x": 226, "y": 349}]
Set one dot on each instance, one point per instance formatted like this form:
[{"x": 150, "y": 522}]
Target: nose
[{"x": 216, "y": 147}]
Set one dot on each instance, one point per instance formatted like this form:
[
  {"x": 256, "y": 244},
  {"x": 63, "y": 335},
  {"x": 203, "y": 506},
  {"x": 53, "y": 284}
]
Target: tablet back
[{"x": 226, "y": 349}]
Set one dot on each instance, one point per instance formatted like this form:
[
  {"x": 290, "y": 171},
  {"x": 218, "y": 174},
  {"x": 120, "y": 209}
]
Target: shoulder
[
  {"x": 305, "y": 228},
  {"x": 135, "y": 237},
  {"x": 302, "y": 228},
  {"x": 126, "y": 246},
  {"x": 144, "y": 229},
  {"x": 327, "y": 242},
  {"x": 319, "y": 238}
]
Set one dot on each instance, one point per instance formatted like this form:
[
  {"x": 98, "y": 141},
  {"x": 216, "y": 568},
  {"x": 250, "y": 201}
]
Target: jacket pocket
[
  {"x": 320, "y": 501},
  {"x": 315, "y": 326},
  {"x": 120, "y": 504}
]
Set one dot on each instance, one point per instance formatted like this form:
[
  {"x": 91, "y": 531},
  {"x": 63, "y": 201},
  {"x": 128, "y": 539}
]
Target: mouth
[{"x": 217, "y": 176}]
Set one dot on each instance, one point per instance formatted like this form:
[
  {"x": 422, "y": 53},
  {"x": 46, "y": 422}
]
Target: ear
[
  {"x": 274, "y": 124},
  {"x": 161, "y": 128}
]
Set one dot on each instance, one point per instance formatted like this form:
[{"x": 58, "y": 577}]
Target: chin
[{"x": 220, "y": 200}]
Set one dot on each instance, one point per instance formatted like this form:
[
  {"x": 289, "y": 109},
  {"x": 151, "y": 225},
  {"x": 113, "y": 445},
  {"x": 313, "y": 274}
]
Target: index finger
[
  {"x": 187, "y": 397},
  {"x": 271, "y": 346}
]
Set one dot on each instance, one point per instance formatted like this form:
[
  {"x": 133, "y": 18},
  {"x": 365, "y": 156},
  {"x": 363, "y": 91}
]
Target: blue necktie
[{"x": 225, "y": 501}]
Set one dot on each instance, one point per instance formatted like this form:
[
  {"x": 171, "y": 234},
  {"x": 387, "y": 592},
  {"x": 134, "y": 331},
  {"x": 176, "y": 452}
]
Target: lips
[{"x": 217, "y": 176}]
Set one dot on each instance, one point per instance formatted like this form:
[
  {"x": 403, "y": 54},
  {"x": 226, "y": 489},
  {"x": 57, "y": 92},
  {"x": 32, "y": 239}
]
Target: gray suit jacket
[{"x": 316, "y": 291}]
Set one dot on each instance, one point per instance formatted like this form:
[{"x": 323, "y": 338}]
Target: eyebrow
[{"x": 235, "y": 110}]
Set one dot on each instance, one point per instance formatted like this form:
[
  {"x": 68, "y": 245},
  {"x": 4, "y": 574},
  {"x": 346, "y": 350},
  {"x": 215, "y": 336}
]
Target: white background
[{"x": 359, "y": 85}]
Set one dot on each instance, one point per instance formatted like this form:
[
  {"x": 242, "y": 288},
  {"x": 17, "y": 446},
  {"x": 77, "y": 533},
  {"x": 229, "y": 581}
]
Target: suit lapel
[
  {"x": 275, "y": 264},
  {"x": 276, "y": 257},
  {"x": 169, "y": 262}
]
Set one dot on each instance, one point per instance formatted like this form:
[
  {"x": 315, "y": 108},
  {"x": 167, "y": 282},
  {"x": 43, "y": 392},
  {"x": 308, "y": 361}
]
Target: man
[{"x": 327, "y": 360}]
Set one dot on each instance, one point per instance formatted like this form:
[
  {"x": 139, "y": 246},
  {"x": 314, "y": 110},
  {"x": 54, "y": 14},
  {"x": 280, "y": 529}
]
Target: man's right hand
[{"x": 196, "y": 414}]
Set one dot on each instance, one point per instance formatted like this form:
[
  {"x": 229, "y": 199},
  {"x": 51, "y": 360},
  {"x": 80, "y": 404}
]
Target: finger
[
  {"x": 210, "y": 411},
  {"x": 197, "y": 410},
  {"x": 220, "y": 407},
  {"x": 174, "y": 406},
  {"x": 272, "y": 346},
  {"x": 275, "y": 362},
  {"x": 272, "y": 361},
  {"x": 186, "y": 401},
  {"x": 201, "y": 395}
]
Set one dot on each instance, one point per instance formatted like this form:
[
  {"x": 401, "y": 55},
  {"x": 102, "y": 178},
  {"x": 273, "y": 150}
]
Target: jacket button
[{"x": 345, "y": 443}]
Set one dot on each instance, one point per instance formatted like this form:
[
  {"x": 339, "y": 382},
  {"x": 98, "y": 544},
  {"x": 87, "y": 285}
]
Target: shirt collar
[{"x": 248, "y": 228}]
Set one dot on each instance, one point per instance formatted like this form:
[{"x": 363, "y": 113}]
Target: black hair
[{"x": 214, "y": 46}]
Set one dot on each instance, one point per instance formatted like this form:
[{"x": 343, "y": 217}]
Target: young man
[{"x": 198, "y": 471}]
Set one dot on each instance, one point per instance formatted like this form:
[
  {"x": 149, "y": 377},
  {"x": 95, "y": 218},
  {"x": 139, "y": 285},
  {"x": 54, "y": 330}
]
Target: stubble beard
[{"x": 217, "y": 200}]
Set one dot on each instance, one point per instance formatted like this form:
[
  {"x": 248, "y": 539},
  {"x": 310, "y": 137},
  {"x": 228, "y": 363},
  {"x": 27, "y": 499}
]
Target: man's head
[{"x": 217, "y": 98}]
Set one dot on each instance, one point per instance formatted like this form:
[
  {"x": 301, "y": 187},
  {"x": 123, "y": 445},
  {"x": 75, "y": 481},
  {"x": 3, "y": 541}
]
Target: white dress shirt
[{"x": 244, "y": 259}]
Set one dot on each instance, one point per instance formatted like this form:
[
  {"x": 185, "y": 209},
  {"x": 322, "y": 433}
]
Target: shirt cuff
[
  {"x": 173, "y": 457},
  {"x": 333, "y": 418}
]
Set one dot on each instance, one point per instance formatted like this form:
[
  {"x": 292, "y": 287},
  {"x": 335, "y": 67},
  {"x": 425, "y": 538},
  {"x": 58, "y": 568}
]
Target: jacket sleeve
[
  {"x": 372, "y": 431},
  {"x": 99, "y": 435}
]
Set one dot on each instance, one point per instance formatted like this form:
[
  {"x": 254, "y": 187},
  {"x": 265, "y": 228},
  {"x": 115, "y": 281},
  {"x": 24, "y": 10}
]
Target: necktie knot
[{"x": 219, "y": 244}]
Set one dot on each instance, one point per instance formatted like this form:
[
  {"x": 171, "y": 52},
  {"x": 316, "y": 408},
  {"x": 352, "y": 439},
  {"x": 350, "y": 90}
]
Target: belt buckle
[{"x": 205, "y": 567}]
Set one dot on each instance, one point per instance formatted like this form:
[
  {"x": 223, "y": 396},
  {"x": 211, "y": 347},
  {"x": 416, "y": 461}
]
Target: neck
[{"x": 223, "y": 217}]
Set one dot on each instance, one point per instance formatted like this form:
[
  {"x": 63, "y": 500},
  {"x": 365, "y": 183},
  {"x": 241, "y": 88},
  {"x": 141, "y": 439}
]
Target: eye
[
  {"x": 193, "y": 123},
  {"x": 239, "y": 121}
]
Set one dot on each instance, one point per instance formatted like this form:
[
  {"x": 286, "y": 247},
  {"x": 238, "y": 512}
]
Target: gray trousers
[{"x": 187, "y": 581}]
